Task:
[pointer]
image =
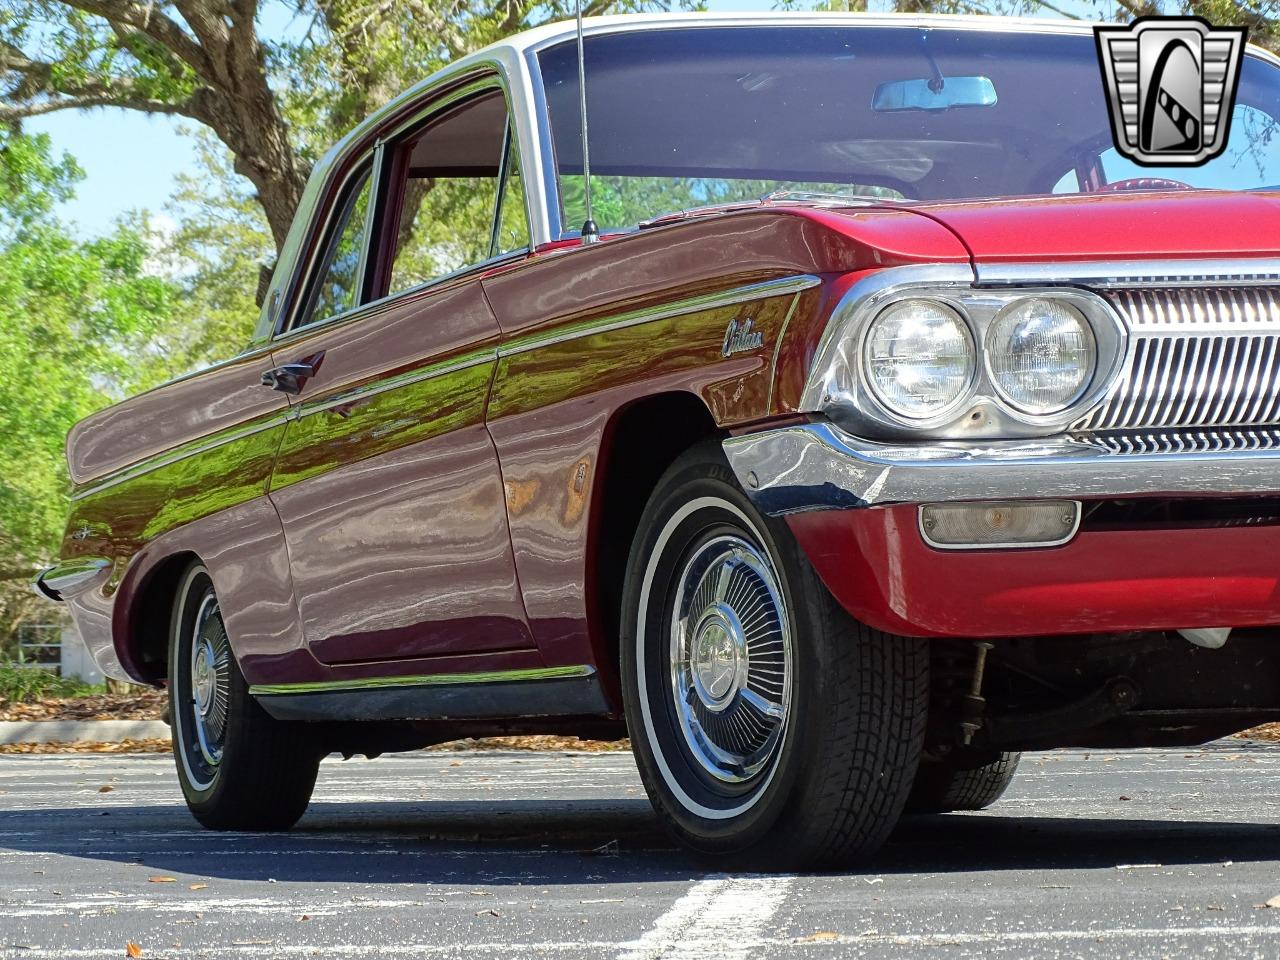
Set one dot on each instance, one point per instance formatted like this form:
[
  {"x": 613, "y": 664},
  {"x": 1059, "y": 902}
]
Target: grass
[{"x": 23, "y": 683}]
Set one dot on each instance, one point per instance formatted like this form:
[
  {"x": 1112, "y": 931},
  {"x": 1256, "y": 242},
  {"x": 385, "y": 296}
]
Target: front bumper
[{"x": 817, "y": 466}]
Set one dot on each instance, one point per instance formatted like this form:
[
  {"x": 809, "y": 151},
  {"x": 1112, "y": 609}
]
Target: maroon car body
[{"x": 428, "y": 520}]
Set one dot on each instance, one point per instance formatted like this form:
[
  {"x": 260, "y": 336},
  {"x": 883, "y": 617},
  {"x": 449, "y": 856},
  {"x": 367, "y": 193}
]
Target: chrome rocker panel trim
[
  {"x": 818, "y": 466},
  {"x": 534, "y": 692}
]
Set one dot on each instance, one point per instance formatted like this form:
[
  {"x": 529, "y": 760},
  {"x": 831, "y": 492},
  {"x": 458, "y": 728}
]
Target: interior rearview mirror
[{"x": 937, "y": 94}]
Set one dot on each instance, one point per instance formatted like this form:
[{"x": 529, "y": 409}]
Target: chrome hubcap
[
  {"x": 210, "y": 680},
  {"x": 719, "y": 658},
  {"x": 730, "y": 658}
]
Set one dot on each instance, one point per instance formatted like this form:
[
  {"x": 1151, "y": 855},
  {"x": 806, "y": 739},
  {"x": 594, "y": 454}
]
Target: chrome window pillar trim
[
  {"x": 818, "y": 466},
  {"x": 204, "y": 445},
  {"x": 711, "y": 301},
  {"x": 528, "y": 674}
]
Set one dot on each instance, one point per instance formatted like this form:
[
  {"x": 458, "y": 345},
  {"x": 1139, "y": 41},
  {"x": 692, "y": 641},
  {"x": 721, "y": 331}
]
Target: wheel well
[
  {"x": 640, "y": 442},
  {"x": 148, "y": 635}
]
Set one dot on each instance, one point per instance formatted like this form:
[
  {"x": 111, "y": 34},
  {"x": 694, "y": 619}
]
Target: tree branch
[
  {"x": 160, "y": 28},
  {"x": 10, "y": 113}
]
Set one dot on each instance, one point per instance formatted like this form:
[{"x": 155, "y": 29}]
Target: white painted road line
[{"x": 719, "y": 918}]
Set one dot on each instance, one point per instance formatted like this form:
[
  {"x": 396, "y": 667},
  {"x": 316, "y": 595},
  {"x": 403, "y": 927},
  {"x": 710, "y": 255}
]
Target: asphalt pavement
[{"x": 1137, "y": 854}]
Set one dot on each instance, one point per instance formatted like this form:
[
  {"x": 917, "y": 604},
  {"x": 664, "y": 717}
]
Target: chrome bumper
[
  {"x": 818, "y": 466},
  {"x": 67, "y": 577}
]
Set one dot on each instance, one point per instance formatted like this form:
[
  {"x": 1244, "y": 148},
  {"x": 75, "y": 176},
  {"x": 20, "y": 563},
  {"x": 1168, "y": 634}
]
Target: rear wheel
[
  {"x": 767, "y": 724},
  {"x": 943, "y": 786},
  {"x": 239, "y": 768}
]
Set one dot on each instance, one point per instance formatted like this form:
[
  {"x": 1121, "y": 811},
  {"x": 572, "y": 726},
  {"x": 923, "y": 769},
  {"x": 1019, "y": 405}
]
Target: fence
[{"x": 40, "y": 644}]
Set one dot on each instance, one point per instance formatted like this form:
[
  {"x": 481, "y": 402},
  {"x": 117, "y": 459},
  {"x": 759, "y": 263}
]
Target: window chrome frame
[
  {"x": 501, "y": 68},
  {"x": 287, "y": 320}
]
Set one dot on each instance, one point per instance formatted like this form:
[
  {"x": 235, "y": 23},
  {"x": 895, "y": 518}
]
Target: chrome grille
[
  {"x": 1199, "y": 357},
  {"x": 1152, "y": 443}
]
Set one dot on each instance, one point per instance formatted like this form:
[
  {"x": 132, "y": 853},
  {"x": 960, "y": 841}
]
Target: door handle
[{"x": 289, "y": 378}]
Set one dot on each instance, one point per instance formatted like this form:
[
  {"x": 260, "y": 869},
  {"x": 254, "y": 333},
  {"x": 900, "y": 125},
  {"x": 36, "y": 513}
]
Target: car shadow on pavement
[
  {"x": 990, "y": 841},
  {"x": 576, "y": 841}
]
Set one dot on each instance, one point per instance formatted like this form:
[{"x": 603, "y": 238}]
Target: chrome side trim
[
  {"x": 1132, "y": 273},
  {"x": 430, "y": 680},
  {"x": 143, "y": 467},
  {"x": 69, "y": 576},
  {"x": 818, "y": 466},
  {"x": 712, "y": 301},
  {"x": 374, "y": 308},
  {"x": 431, "y": 372}
]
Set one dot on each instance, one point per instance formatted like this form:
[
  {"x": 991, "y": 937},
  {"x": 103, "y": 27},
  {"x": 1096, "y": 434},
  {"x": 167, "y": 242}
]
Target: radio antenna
[{"x": 590, "y": 232}]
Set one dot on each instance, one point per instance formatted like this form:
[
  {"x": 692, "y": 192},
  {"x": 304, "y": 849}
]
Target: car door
[{"x": 387, "y": 482}]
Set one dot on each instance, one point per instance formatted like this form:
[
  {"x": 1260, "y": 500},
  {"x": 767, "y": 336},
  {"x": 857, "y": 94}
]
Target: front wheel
[
  {"x": 239, "y": 768},
  {"x": 767, "y": 724}
]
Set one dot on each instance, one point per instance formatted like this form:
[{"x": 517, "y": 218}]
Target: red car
[{"x": 894, "y": 424}]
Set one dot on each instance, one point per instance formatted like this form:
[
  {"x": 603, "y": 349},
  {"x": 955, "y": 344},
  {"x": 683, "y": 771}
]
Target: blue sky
[{"x": 130, "y": 160}]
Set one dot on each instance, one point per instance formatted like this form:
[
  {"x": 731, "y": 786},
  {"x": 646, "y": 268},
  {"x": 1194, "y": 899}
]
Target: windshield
[{"x": 693, "y": 116}]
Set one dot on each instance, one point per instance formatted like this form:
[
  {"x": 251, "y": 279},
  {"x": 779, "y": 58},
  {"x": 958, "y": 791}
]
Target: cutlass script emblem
[{"x": 740, "y": 337}]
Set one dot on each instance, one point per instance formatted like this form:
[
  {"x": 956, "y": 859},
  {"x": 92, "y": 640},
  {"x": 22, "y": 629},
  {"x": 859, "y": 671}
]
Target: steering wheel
[{"x": 1144, "y": 183}]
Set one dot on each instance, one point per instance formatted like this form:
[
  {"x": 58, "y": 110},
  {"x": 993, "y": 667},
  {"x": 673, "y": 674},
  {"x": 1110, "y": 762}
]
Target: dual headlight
[{"x": 921, "y": 359}]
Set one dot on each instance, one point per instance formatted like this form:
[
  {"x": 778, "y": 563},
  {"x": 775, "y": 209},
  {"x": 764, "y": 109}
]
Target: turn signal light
[{"x": 999, "y": 523}]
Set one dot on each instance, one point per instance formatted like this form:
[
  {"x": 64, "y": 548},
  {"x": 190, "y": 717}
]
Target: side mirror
[{"x": 940, "y": 93}]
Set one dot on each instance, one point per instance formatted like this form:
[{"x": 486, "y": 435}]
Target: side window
[
  {"x": 1069, "y": 182},
  {"x": 337, "y": 288},
  {"x": 448, "y": 194}
]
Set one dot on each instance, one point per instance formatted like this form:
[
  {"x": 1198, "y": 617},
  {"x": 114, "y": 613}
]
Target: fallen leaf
[
  {"x": 131, "y": 949},
  {"x": 609, "y": 849},
  {"x": 303, "y": 917},
  {"x": 162, "y": 879},
  {"x": 199, "y": 886},
  {"x": 106, "y": 788},
  {"x": 1274, "y": 903},
  {"x": 820, "y": 936},
  {"x": 1124, "y": 798}
]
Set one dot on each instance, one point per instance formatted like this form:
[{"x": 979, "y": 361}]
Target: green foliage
[
  {"x": 20, "y": 683},
  {"x": 76, "y": 321},
  {"x": 212, "y": 257},
  {"x": 626, "y": 201}
]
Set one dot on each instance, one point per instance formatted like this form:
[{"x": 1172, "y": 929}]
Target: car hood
[{"x": 1195, "y": 224}]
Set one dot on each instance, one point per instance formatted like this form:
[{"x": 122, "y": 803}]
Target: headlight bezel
[{"x": 838, "y": 384}]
